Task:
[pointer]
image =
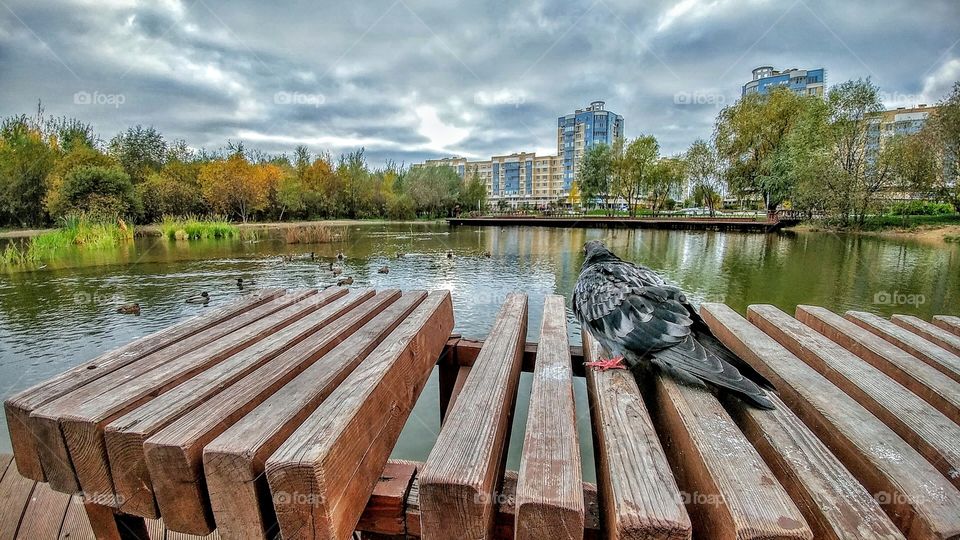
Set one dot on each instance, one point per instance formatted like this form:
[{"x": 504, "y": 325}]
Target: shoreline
[{"x": 921, "y": 233}]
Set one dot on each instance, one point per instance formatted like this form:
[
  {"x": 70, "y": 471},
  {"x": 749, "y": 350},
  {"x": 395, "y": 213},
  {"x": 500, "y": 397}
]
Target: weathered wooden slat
[
  {"x": 44, "y": 422},
  {"x": 19, "y": 407},
  {"x": 174, "y": 455},
  {"x": 458, "y": 480},
  {"x": 928, "y": 331},
  {"x": 923, "y": 380},
  {"x": 550, "y": 487},
  {"x": 466, "y": 352},
  {"x": 934, "y": 355},
  {"x": 124, "y": 437},
  {"x": 107, "y": 525},
  {"x": 950, "y": 323},
  {"x": 233, "y": 463},
  {"x": 337, "y": 454},
  {"x": 731, "y": 492},
  {"x": 916, "y": 497},
  {"x": 44, "y": 514},
  {"x": 385, "y": 512},
  {"x": 834, "y": 504},
  {"x": 76, "y": 525},
  {"x": 926, "y": 429},
  {"x": 639, "y": 496},
  {"x": 15, "y": 493}
]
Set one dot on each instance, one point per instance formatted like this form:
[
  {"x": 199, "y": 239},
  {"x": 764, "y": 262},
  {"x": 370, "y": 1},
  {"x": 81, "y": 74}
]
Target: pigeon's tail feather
[
  {"x": 690, "y": 359},
  {"x": 715, "y": 346}
]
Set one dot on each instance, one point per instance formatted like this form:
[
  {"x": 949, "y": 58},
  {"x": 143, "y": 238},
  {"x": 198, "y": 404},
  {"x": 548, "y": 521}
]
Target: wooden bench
[
  {"x": 949, "y": 323},
  {"x": 278, "y": 415},
  {"x": 934, "y": 355},
  {"x": 929, "y": 331}
]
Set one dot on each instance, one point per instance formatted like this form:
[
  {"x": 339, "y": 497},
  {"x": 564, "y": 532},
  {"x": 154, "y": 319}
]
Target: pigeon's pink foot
[{"x": 605, "y": 364}]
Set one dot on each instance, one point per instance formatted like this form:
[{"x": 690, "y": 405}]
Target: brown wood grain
[
  {"x": 386, "y": 509},
  {"x": 923, "y": 380},
  {"x": 15, "y": 493},
  {"x": 934, "y": 355},
  {"x": 19, "y": 406},
  {"x": 118, "y": 385},
  {"x": 462, "y": 373},
  {"x": 729, "y": 491},
  {"x": 458, "y": 480},
  {"x": 549, "y": 498},
  {"x": 950, "y": 323},
  {"x": 833, "y": 502},
  {"x": 926, "y": 429},
  {"x": 337, "y": 454},
  {"x": 76, "y": 525},
  {"x": 639, "y": 496},
  {"x": 44, "y": 514},
  {"x": 125, "y": 436},
  {"x": 233, "y": 463},
  {"x": 917, "y": 498},
  {"x": 928, "y": 331},
  {"x": 174, "y": 455}
]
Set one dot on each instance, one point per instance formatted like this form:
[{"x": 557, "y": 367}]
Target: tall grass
[
  {"x": 74, "y": 231},
  {"x": 195, "y": 228},
  {"x": 315, "y": 233}
]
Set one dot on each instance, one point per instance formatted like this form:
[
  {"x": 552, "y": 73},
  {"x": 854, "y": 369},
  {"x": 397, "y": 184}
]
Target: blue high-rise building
[
  {"x": 805, "y": 82},
  {"x": 582, "y": 129}
]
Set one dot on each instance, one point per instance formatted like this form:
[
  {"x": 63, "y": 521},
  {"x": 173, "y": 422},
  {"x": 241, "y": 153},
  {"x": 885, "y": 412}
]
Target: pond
[{"x": 55, "y": 317}]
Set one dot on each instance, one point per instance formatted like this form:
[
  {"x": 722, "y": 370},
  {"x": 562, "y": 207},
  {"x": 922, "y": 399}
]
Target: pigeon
[{"x": 633, "y": 313}]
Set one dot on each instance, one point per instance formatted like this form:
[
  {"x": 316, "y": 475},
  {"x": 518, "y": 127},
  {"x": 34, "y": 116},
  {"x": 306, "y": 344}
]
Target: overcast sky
[{"x": 411, "y": 79}]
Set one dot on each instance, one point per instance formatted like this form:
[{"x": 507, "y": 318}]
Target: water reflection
[{"x": 61, "y": 315}]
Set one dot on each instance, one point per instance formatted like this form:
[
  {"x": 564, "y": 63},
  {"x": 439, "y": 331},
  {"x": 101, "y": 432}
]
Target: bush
[
  {"x": 194, "y": 228},
  {"x": 95, "y": 191},
  {"x": 921, "y": 208}
]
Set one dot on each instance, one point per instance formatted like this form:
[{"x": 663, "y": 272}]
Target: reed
[{"x": 196, "y": 228}]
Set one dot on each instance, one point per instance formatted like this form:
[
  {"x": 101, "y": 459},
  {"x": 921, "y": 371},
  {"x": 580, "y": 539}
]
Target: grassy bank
[
  {"x": 194, "y": 228},
  {"x": 76, "y": 231}
]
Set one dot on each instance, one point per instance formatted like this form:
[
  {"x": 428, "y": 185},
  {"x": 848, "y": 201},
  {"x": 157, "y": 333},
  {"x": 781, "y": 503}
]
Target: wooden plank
[
  {"x": 833, "y": 502},
  {"x": 928, "y": 331},
  {"x": 950, "y": 323},
  {"x": 923, "y": 380},
  {"x": 107, "y": 525},
  {"x": 15, "y": 493},
  {"x": 337, "y": 454},
  {"x": 466, "y": 352},
  {"x": 125, "y": 436},
  {"x": 156, "y": 529},
  {"x": 731, "y": 493},
  {"x": 938, "y": 357},
  {"x": 926, "y": 429},
  {"x": 385, "y": 512},
  {"x": 233, "y": 463},
  {"x": 76, "y": 525},
  {"x": 19, "y": 407},
  {"x": 174, "y": 454},
  {"x": 44, "y": 422},
  {"x": 638, "y": 493},
  {"x": 44, "y": 514},
  {"x": 916, "y": 497},
  {"x": 458, "y": 480},
  {"x": 549, "y": 501}
]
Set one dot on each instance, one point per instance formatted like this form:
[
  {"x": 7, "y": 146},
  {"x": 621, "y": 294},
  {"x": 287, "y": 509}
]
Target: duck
[
  {"x": 384, "y": 270},
  {"x": 129, "y": 309},
  {"x": 486, "y": 254},
  {"x": 449, "y": 254},
  {"x": 300, "y": 256},
  {"x": 400, "y": 254},
  {"x": 336, "y": 269},
  {"x": 344, "y": 281},
  {"x": 201, "y": 298},
  {"x": 241, "y": 282},
  {"x": 340, "y": 256}
]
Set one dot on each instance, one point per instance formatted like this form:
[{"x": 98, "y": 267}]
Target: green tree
[
  {"x": 140, "y": 151},
  {"x": 595, "y": 174},
  {"x": 473, "y": 194},
  {"x": 945, "y": 125},
  {"x": 434, "y": 189},
  {"x": 634, "y": 168},
  {"x": 664, "y": 179},
  {"x": 703, "y": 173},
  {"x": 104, "y": 192},
  {"x": 26, "y": 158}
]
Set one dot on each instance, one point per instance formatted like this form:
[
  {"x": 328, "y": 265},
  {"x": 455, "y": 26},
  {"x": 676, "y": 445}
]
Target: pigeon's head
[{"x": 596, "y": 252}]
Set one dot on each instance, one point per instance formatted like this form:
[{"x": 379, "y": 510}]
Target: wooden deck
[{"x": 276, "y": 416}]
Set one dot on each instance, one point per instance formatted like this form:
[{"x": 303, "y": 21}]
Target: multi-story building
[
  {"x": 802, "y": 81},
  {"x": 582, "y": 129}
]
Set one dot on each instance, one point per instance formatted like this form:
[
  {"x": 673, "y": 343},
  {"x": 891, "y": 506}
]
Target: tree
[
  {"x": 473, "y": 194},
  {"x": 234, "y": 186},
  {"x": 633, "y": 169},
  {"x": 749, "y": 136},
  {"x": 664, "y": 177},
  {"x": 945, "y": 125},
  {"x": 703, "y": 173},
  {"x": 434, "y": 189},
  {"x": 140, "y": 151},
  {"x": 26, "y": 159},
  {"x": 594, "y": 174},
  {"x": 915, "y": 164},
  {"x": 104, "y": 192}
]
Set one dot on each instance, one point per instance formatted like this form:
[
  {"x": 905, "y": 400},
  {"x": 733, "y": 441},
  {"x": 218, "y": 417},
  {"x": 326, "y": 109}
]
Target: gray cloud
[{"x": 410, "y": 79}]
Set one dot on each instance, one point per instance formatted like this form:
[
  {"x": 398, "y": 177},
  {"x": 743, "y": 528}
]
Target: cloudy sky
[{"x": 412, "y": 79}]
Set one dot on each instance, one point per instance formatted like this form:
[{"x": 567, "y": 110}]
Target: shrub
[
  {"x": 194, "y": 228},
  {"x": 921, "y": 208}
]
